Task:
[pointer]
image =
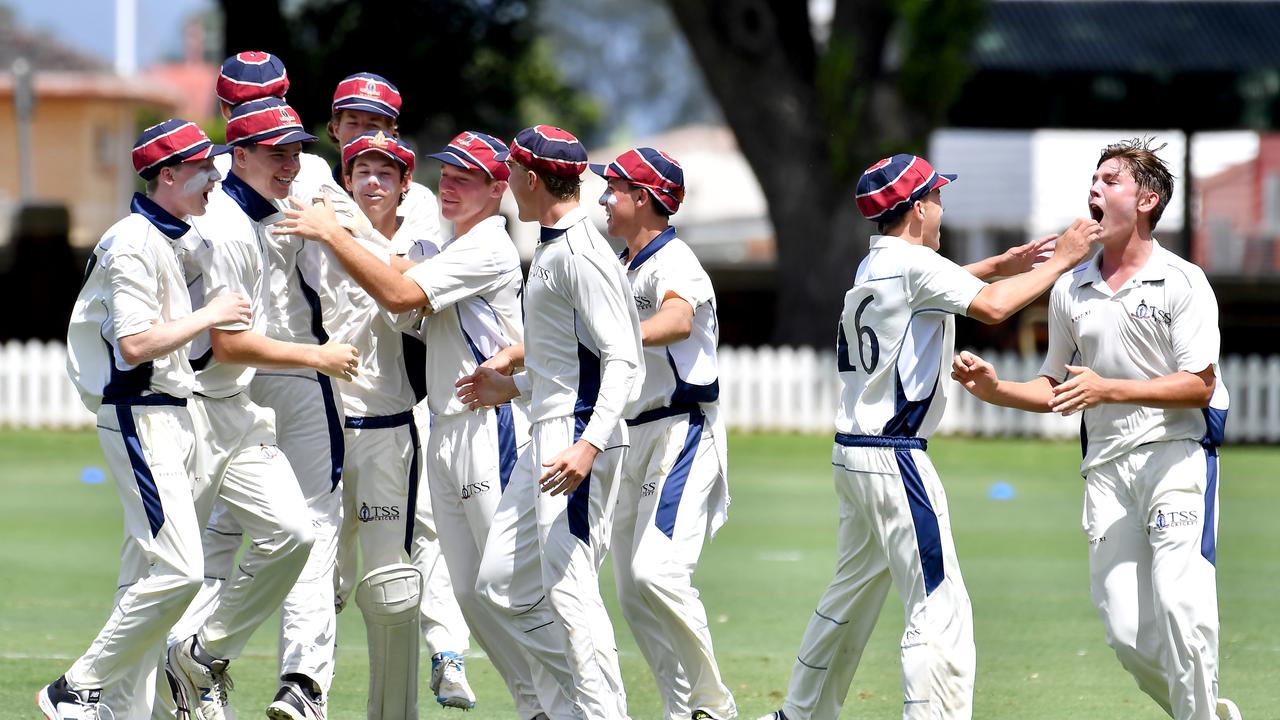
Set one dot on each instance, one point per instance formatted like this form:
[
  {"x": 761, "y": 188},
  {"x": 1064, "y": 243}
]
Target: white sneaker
[
  {"x": 204, "y": 685},
  {"x": 295, "y": 702},
  {"x": 775, "y": 715},
  {"x": 59, "y": 702},
  {"x": 449, "y": 681},
  {"x": 1227, "y": 710}
]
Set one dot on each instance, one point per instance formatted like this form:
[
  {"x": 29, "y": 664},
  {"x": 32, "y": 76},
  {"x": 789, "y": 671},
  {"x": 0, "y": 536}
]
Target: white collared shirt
[
  {"x": 582, "y": 334},
  {"x": 133, "y": 282},
  {"x": 1163, "y": 320},
  {"x": 684, "y": 372},
  {"x": 473, "y": 284},
  {"x": 896, "y": 339}
]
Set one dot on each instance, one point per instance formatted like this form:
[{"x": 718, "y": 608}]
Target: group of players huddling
[{"x": 278, "y": 351}]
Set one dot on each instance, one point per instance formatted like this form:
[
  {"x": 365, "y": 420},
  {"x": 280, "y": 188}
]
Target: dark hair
[
  {"x": 346, "y": 175},
  {"x": 336, "y": 119},
  {"x": 154, "y": 183},
  {"x": 562, "y": 187},
  {"x": 654, "y": 202},
  {"x": 1148, "y": 170}
]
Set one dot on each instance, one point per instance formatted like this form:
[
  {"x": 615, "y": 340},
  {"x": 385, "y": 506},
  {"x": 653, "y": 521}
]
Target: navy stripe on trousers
[
  {"x": 412, "y": 500},
  {"x": 928, "y": 536},
  {"x": 141, "y": 471},
  {"x": 673, "y": 488},
  {"x": 506, "y": 445},
  {"x": 1208, "y": 536},
  {"x": 579, "y": 506},
  {"x": 337, "y": 441}
]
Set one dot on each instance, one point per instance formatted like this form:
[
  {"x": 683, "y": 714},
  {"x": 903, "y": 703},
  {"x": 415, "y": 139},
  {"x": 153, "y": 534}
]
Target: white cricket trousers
[
  {"x": 387, "y": 512},
  {"x": 662, "y": 518},
  {"x": 254, "y": 493},
  {"x": 894, "y": 527},
  {"x": 1151, "y": 518},
  {"x": 471, "y": 461},
  {"x": 569, "y": 541},
  {"x": 152, "y": 454},
  {"x": 310, "y": 433}
]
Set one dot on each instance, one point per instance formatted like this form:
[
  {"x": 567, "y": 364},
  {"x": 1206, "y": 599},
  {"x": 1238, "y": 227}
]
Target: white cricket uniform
[
  {"x": 1151, "y": 490},
  {"x": 894, "y": 348},
  {"x": 473, "y": 284},
  {"x": 254, "y": 486},
  {"x": 148, "y": 436},
  {"x": 674, "y": 490},
  {"x": 383, "y": 489},
  {"x": 582, "y": 371}
]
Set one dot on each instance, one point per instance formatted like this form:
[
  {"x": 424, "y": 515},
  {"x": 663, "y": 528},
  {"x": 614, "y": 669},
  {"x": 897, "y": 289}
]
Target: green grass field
[{"x": 1040, "y": 648}]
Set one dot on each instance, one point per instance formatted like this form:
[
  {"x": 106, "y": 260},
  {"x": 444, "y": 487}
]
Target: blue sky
[{"x": 89, "y": 25}]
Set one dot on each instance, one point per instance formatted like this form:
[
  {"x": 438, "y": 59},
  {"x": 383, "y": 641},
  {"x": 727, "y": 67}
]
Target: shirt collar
[
  {"x": 165, "y": 222},
  {"x": 1156, "y": 268},
  {"x": 566, "y": 221},
  {"x": 654, "y": 246},
  {"x": 254, "y": 205}
]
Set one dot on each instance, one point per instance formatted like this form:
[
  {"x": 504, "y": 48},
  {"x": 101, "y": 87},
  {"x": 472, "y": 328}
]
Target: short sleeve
[
  {"x": 1063, "y": 349},
  {"x": 134, "y": 283},
  {"x": 687, "y": 280},
  {"x": 460, "y": 271},
  {"x": 1193, "y": 323},
  {"x": 935, "y": 283}
]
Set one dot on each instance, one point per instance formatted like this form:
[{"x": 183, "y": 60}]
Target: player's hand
[
  {"x": 310, "y": 221},
  {"x": 229, "y": 308},
  {"x": 486, "y": 387},
  {"x": 1077, "y": 241},
  {"x": 975, "y": 374},
  {"x": 1085, "y": 390},
  {"x": 1025, "y": 257},
  {"x": 566, "y": 471},
  {"x": 338, "y": 360}
]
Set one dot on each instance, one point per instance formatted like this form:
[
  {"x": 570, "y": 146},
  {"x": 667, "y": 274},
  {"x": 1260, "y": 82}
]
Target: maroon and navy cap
[
  {"x": 549, "y": 149},
  {"x": 251, "y": 75},
  {"x": 379, "y": 142},
  {"x": 887, "y": 189},
  {"x": 269, "y": 121},
  {"x": 368, "y": 93},
  {"x": 476, "y": 151},
  {"x": 653, "y": 170},
  {"x": 171, "y": 140}
]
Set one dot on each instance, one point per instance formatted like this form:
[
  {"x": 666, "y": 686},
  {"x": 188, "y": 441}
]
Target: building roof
[
  {"x": 41, "y": 50},
  {"x": 1158, "y": 37}
]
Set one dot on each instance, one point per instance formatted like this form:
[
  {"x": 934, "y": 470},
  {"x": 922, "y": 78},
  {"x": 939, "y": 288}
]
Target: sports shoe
[
  {"x": 449, "y": 681},
  {"x": 702, "y": 715},
  {"x": 295, "y": 701},
  {"x": 204, "y": 685},
  {"x": 1227, "y": 710},
  {"x": 59, "y": 702},
  {"x": 775, "y": 715}
]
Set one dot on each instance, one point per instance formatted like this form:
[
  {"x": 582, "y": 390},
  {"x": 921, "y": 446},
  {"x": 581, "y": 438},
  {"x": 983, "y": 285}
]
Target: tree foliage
[{"x": 809, "y": 115}]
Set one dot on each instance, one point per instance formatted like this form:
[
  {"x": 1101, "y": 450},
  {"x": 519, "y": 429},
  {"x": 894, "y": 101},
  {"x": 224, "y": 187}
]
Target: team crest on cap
[
  {"x": 268, "y": 121},
  {"x": 476, "y": 151},
  {"x": 379, "y": 142},
  {"x": 367, "y": 92}
]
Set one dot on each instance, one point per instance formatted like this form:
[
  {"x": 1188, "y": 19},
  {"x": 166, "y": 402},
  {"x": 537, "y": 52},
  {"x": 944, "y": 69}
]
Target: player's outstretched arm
[
  {"x": 384, "y": 283},
  {"x": 979, "y": 377},
  {"x": 1015, "y": 260},
  {"x": 1086, "y": 389},
  {"x": 163, "y": 338},
  {"x": 245, "y": 347},
  {"x": 672, "y": 323},
  {"x": 999, "y": 300}
]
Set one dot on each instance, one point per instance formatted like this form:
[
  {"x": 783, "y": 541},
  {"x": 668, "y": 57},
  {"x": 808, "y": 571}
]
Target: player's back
[{"x": 896, "y": 338}]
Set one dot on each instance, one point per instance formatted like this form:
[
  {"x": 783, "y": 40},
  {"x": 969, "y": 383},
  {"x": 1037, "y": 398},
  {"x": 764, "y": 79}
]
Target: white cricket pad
[{"x": 388, "y": 598}]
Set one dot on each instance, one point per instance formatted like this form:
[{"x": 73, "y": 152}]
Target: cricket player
[
  {"x": 582, "y": 372},
  {"x": 127, "y": 354},
  {"x": 1133, "y": 348},
  {"x": 894, "y": 341},
  {"x": 257, "y": 487},
  {"x": 674, "y": 490},
  {"x": 470, "y": 292}
]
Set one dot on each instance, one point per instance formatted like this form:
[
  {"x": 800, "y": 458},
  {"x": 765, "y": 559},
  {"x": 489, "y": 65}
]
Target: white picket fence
[{"x": 775, "y": 389}]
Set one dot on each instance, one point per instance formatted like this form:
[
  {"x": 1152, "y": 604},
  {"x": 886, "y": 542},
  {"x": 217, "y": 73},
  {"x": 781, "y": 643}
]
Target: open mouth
[{"x": 1095, "y": 212}]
